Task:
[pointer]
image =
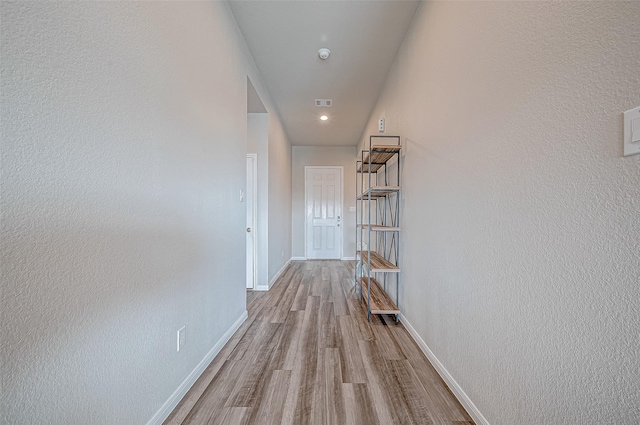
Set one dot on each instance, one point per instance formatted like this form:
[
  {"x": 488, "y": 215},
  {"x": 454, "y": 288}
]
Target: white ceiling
[{"x": 284, "y": 37}]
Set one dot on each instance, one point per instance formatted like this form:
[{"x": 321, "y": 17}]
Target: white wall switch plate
[
  {"x": 632, "y": 132},
  {"x": 381, "y": 125}
]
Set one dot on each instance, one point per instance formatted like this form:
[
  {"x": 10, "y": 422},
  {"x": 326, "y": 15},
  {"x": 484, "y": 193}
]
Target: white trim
[
  {"x": 455, "y": 388},
  {"x": 273, "y": 280},
  {"x": 348, "y": 258},
  {"x": 254, "y": 156},
  {"x": 177, "y": 395},
  {"x": 298, "y": 258},
  {"x": 341, "y": 236}
]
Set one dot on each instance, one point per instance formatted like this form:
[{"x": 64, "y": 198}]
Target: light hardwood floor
[{"x": 307, "y": 355}]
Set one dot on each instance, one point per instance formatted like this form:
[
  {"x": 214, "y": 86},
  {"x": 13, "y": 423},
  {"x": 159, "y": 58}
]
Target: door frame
[
  {"x": 306, "y": 219},
  {"x": 254, "y": 218}
]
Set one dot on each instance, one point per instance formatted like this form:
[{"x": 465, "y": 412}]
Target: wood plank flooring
[{"x": 307, "y": 355}]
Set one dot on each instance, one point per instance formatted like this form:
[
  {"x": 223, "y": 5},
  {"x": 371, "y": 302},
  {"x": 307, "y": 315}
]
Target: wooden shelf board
[
  {"x": 381, "y": 303},
  {"x": 365, "y": 168},
  {"x": 379, "y": 155},
  {"x": 379, "y": 192},
  {"x": 378, "y": 263},
  {"x": 378, "y": 228},
  {"x": 385, "y": 148}
]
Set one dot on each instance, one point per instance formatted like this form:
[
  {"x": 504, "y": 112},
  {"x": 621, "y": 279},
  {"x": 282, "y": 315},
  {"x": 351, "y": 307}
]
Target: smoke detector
[{"x": 324, "y": 53}]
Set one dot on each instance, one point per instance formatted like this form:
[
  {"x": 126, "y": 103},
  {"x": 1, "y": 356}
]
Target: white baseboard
[
  {"x": 273, "y": 280},
  {"x": 305, "y": 258},
  {"x": 177, "y": 395},
  {"x": 457, "y": 390}
]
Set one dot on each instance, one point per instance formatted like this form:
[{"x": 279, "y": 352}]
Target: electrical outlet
[{"x": 181, "y": 338}]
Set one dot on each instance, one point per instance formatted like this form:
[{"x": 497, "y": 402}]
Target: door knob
[{"x": 248, "y": 229}]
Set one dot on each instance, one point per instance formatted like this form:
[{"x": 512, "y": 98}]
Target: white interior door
[
  {"x": 323, "y": 194},
  {"x": 250, "y": 199}
]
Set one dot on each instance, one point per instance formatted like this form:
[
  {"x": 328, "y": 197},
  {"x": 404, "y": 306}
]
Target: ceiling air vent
[{"x": 324, "y": 103}]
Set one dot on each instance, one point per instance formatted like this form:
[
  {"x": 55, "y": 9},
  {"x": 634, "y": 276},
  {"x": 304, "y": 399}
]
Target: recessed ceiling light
[{"x": 324, "y": 117}]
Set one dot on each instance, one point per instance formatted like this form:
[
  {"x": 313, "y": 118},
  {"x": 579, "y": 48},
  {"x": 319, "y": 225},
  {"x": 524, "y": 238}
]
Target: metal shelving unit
[{"x": 378, "y": 224}]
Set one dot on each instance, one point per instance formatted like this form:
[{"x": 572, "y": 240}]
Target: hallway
[{"x": 307, "y": 355}]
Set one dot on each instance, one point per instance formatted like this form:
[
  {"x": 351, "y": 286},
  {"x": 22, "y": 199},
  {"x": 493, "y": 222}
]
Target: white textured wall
[
  {"x": 123, "y": 155},
  {"x": 521, "y": 231},
  {"x": 316, "y": 156}
]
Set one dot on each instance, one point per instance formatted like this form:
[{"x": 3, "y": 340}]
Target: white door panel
[
  {"x": 250, "y": 199},
  {"x": 323, "y": 209}
]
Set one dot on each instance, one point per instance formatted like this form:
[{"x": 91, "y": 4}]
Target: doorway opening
[{"x": 257, "y": 182}]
